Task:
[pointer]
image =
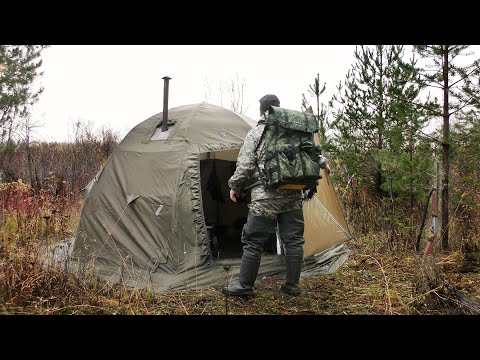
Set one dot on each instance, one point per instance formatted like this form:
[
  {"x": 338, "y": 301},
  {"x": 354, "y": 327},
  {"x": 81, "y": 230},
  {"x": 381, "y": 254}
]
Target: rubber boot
[
  {"x": 248, "y": 274},
  {"x": 291, "y": 227},
  {"x": 294, "y": 268},
  {"x": 255, "y": 232}
]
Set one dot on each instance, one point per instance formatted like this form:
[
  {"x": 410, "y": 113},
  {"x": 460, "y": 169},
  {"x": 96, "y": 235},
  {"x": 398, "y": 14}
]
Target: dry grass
[
  {"x": 371, "y": 281},
  {"x": 365, "y": 284}
]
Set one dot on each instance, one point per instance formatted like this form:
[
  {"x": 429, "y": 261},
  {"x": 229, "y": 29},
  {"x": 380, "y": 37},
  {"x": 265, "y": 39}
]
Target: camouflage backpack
[{"x": 291, "y": 155}]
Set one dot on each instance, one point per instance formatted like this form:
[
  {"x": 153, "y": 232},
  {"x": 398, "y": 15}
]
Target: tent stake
[{"x": 226, "y": 268}]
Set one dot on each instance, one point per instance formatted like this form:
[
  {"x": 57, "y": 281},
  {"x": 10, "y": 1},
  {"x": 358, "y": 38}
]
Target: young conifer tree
[
  {"x": 377, "y": 114},
  {"x": 460, "y": 90},
  {"x": 19, "y": 67}
]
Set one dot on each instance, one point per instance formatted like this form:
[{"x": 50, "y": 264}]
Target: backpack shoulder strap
[
  {"x": 261, "y": 139},
  {"x": 262, "y": 179}
]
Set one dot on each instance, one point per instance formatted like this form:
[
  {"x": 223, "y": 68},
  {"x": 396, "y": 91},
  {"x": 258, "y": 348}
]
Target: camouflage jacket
[{"x": 268, "y": 202}]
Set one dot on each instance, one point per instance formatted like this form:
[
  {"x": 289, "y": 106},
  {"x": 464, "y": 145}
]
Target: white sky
[{"x": 120, "y": 86}]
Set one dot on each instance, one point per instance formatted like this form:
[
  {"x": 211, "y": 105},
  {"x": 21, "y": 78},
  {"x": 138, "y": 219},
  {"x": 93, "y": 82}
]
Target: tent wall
[
  {"x": 141, "y": 228},
  {"x": 325, "y": 225}
]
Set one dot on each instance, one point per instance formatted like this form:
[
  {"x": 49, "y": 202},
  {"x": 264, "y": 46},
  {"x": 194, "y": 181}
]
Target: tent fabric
[{"x": 143, "y": 221}]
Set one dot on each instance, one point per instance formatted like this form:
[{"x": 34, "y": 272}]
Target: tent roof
[{"x": 200, "y": 123}]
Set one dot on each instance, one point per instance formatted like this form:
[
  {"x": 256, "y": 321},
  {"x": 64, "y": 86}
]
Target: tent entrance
[{"x": 224, "y": 218}]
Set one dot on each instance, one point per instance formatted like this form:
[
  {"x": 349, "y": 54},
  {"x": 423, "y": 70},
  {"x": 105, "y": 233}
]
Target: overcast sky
[{"x": 120, "y": 86}]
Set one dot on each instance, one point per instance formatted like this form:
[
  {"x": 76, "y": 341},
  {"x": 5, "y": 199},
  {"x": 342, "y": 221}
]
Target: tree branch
[
  {"x": 431, "y": 81},
  {"x": 463, "y": 78},
  {"x": 466, "y": 104}
]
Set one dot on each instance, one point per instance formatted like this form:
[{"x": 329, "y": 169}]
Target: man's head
[{"x": 267, "y": 101}]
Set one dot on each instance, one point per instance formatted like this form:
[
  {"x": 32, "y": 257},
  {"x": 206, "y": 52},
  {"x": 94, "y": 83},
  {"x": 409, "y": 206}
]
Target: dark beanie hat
[{"x": 267, "y": 101}]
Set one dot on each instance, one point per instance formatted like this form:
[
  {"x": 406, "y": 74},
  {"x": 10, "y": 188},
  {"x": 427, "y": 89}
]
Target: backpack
[{"x": 292, "y": 159}]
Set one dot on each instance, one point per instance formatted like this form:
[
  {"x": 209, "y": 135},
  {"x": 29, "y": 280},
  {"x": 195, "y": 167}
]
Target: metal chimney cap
[{"x": 166, "y": 77}]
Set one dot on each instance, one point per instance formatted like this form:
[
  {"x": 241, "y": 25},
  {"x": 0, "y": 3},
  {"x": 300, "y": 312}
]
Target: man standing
[{"x": 268, "y": 208}]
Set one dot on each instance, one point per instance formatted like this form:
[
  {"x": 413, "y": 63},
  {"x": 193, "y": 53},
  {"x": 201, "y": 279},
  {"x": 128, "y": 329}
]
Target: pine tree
[
  {"x": 316, "y": 90},
  {"x": 379, "y": 113},
  {"x": 465, "y": 166},
  {"x": 19, "y": 67},
  {"x": 459, "y": 91}
]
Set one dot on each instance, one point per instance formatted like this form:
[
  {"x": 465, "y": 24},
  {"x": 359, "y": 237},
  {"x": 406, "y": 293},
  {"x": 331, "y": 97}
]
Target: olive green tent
[{"x": 158, "y": 214}]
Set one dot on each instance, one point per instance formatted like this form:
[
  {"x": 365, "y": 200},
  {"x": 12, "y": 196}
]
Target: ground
[
  {"x": 368, "y": 283},
  {"x": 365, "y": 284}
]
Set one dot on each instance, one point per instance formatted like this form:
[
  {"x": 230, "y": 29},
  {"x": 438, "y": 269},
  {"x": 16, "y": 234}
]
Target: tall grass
[
  {"x": 32, "y": 222},
  {"x": 30, "y": 283}
]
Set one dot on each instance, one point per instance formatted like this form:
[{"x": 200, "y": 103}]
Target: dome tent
[{"x": 158, "y": 214}]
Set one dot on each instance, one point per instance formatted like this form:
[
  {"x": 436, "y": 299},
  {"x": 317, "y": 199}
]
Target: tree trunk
[
  {"x": 446, "y": 148},
  {"x": 33, "y": 179},
  {"x": 410, "y": 158},
  {"x": 378, "y": 175},
  {"x": 380, "y": 122},
  {"x": 320, "y": 120}
]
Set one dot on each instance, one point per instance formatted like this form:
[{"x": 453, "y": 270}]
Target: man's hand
[
  {"x": 328, "y": 170},
  {"x": 234, "y": 195}
]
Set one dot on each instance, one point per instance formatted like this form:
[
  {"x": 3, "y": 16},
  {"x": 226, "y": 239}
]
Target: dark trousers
[
  {"x": 258, "y": 229},
  {"x": 255, "y": 232}
]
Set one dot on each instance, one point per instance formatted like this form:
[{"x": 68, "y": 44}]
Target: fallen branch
[{"x": 470, "y": 305}]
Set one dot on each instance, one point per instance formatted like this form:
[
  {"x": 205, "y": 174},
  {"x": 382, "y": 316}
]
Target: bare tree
[
  {"x": 208, "y": 91},
  {"x": 235, "y": 89},
  {"x": 27, "y": 126},
  {"x": 220, "y": 90}
]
